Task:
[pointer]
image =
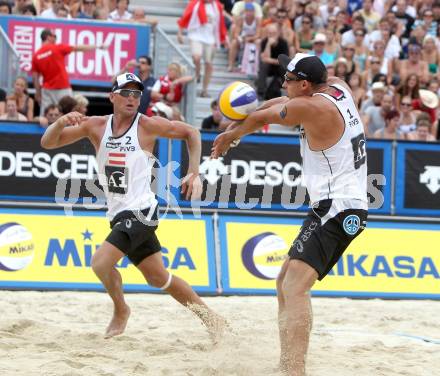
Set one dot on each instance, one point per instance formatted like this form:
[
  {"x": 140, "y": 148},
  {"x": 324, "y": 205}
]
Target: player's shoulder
[{"x": 95, "y": 121}]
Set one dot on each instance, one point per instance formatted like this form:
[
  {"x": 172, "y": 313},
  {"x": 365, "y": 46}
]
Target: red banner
[{"x": 124, "y": 42}]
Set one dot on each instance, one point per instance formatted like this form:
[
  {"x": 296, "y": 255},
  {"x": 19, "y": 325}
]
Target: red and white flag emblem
[{"x": 116, "y": 159}]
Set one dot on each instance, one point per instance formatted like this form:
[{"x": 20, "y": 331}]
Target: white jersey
[
  {"x": 125, "y": 171},
  {"x": 339, "y": 172}
]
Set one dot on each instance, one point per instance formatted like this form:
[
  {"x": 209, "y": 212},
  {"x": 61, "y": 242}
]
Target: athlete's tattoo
[{"x": 283, "y": 112}]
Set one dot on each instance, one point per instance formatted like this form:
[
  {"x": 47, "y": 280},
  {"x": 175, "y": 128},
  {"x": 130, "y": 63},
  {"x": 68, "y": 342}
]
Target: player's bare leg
[
  {"x": 297, "y": 283},
  {"x": 156, "y": 275},
  {"x": 103, "y": 264},
  {"x": 282, "y": 317}
]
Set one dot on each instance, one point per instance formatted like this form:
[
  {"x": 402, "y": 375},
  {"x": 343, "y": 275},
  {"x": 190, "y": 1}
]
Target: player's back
[{"x": 339, "y": 170}]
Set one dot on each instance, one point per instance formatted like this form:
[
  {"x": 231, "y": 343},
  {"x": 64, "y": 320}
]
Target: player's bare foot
[{"x": 118, "y": 323}]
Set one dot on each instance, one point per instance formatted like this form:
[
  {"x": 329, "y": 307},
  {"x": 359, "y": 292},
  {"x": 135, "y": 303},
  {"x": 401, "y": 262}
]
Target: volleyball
[
  {"x": 16, "y": 247},
  {"x": 264, "y": 254},
  {"x": 237, "y": 101}
]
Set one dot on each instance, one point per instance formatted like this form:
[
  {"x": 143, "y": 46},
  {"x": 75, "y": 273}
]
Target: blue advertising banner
[
  {"x": 264, "y": 172},
  {"x": 66, "y": 175},
  {"x": 46, "y": 249},
  {"x": 418, "y": 179},
  {"x": 385, "y": 261},
  {"x": 93, "y": 68}
]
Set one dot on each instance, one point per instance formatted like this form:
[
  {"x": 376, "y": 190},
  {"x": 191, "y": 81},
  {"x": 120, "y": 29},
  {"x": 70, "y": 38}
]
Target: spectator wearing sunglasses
[
  {"x": 125, "y": 143},
  {"x": 407, "y": 121}
]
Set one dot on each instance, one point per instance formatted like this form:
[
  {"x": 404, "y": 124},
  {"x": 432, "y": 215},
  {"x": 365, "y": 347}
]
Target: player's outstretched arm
[
  {"x": 287, "y": 113},
  {"x": 57, "y": 134},
  {"x": 191, "y": 184}
]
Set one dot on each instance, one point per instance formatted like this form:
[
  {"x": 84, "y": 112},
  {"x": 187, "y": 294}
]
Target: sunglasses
[
  {"x": 127, "y": 92},
  {"x": 348, "y": 49},
  {"x": 291, "y": 78},
  {"x": 375, "y": 62},
  {"x": 306, "y": 22},
  {"x": 405, "y": 104},
  {"x": 89, "y": 2}
]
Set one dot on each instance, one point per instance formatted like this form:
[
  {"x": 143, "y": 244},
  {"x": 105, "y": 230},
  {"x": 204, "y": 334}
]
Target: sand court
[{"x": 61, "y": 333}]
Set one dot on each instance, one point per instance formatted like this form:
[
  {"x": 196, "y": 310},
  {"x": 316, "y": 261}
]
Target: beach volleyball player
[
  {"x": 124, "y": 145},
  {"x": 334, "y": 169}
]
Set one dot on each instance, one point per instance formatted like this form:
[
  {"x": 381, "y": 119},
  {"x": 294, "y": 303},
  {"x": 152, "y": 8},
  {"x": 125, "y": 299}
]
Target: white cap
[
  {"x": 428, "y": 98},
  {"x": 378, "y": 86},
  {"x": 124, "y": 79},
  {"x": 165, "y": 109},
  {"x": 319, "y": 37}
]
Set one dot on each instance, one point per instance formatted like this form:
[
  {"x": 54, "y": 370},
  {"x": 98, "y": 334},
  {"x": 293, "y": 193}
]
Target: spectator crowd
[{"x": 388, "y": 52}]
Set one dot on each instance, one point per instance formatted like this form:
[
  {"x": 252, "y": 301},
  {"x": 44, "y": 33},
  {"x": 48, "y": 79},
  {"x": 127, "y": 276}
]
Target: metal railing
[
  {"x": 10, "y": 62},
  {"x": 165, "y": 52}
]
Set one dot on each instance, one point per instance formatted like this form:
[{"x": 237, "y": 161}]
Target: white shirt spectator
[
  {"x": 410, "y": 10},
  {"x": 392, "y": 49},
  {"x": 323, "y": 10},
  {"x": 115, "y": 16},
  {"x": 48, "y": 13},
  {"x": 349, "y": 38}
]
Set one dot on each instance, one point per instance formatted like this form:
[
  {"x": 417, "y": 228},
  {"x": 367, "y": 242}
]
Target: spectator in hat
[
  {"x": 318, "y": 49},
  {"x": 239, "y": 8},
  {"x": 378, "y": 90},
  {"x": 162, "y": 110},
  {"x": 374, "y": 117},
  {"x": 48, "y": 63},
  {"x": 246, "y": 30},
  {"x": 423, "y": 130},
  {"x": 427, "y": 102}
]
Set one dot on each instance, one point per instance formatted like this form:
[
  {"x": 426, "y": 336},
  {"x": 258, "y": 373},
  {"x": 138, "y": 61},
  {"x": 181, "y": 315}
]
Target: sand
[{"x": 61, "y": 333}]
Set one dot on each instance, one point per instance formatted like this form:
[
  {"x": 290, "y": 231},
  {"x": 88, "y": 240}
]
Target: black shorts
[
  {"x": 134, "y": 235},
  {"x": 321, "y": 245}
]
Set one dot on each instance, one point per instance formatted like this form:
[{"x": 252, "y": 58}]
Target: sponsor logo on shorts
[{"x": 351, "y": 224}]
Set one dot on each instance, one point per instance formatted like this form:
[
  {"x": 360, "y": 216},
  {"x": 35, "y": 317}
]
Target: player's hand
[
  {"x": 192, "y": 186},
  {"x": 73, "y": 118},
  {"x": 222, "y": 143}
]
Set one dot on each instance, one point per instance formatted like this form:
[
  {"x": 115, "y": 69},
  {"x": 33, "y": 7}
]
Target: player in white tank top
[
  {"x": 335, "y": 174},
  {"x": 124, "y": 143}
]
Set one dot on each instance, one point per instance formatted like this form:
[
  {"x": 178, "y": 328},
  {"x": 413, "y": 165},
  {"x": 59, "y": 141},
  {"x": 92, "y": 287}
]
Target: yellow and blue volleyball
[
  {"x": 16, "y": 247},
  {"x": 237, "y": 101}
]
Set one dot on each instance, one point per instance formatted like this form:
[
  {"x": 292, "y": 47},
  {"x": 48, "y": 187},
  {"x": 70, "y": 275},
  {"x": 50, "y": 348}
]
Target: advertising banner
[
  {"x": 418, "y": 182},
  {"x": 386, "y": 260},
  {"x": 264, "y": 172},
  {"x": 48, "y": 250},
  {"x": 66, "y": 175},
  {"x": 93, "y": 68}
]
